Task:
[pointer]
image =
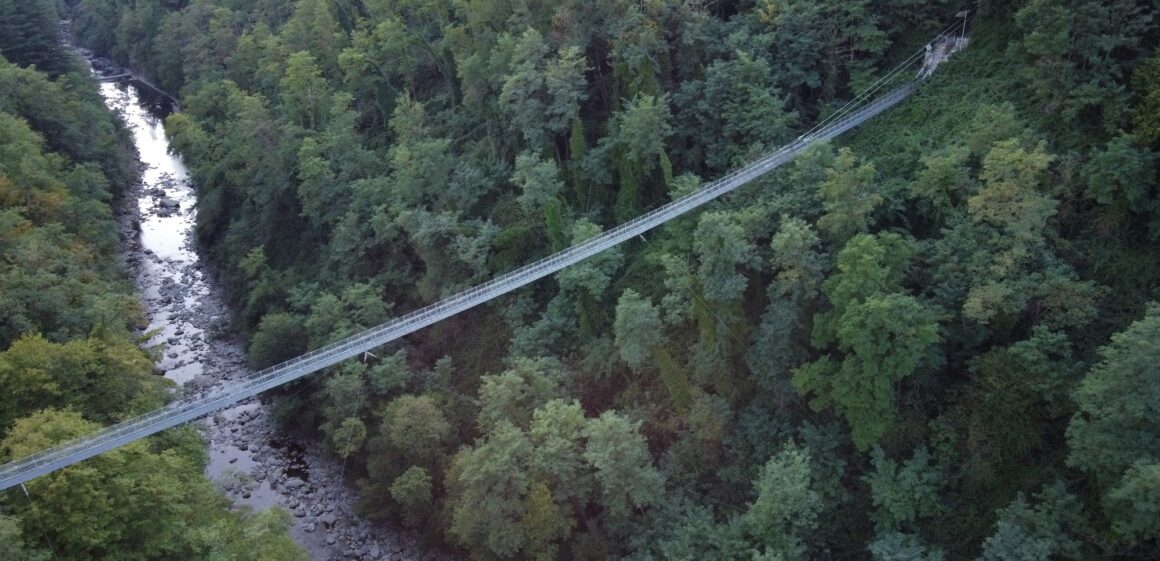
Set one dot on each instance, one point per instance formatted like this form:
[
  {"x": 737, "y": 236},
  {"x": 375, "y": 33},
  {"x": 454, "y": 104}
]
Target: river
[{"x": 249, "y": 459}]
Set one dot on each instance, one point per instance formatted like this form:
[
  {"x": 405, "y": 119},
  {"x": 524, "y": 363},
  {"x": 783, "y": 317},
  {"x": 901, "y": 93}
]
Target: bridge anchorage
[
  {"x": 940, "y": 51},
  {"x": 865, "y": 106}
]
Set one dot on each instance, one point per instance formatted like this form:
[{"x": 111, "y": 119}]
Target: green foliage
[
  {"x": 904, "y": 494},
  {"x": 642, "y": 128},
  {"x": 355, "y": 158},
  {"x": 735, "y": 112},
  {"x": 56, "y": 259},
  {"x": 1134, "y": 504},
  {"x": 13, "y": 547},
  {"x": 945, "y": 181},
  {"x": 721, "y": 245},
  {"x": 69, "y": 362},
  {"x": 261, "y": 536},
  {"x": 787, "y": 506},
  {"x": 1050, "y": 529},
  {"x": 349, "y": 437},
  {"x": 625, "y": 477},
  {"x": 797, "y": 258},
  {"x": 139, "y": 501},
  {"x": 312, "y": 28},
  {"x": 557, "y": 432},
  {"x": 542, "y": 94},
  {"x": 29, "y": 35},
  {"x": 849, "y": 197},
  {"x": 538, "y": 181},
  {"x": 279, "y": 338},
  {"x": 1121, "y": 175},
  {"x": 1114, "y": 427},
  {"x": 1146, "y": 118},
  {"x": 545, "y": 524},
  {"x": 1122, "y": 178},
  {"x": 512, "y": 395},
  {"x": 490, "y": 484},
  {"x": 1077, "y": 55},
  {"x": 638, "y": 329},
  {"x": 417, "y": 428},
  {"x": 1010, "y": 199},
  {"x": 523, "y": 490},
  {"x": 883, "y": 336},
  {"x": 1112, "y": 435},
  {"x": 305, "y": 94},
  {"x": 1020, "y": 393},
  {"x": 412, "y": 491},
  {"x": 897, "y": 546},
  {"x": 97, "y": 378}
]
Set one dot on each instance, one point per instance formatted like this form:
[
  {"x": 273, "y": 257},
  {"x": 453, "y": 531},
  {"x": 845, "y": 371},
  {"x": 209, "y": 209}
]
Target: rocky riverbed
[{"x": 250, "y": 459}]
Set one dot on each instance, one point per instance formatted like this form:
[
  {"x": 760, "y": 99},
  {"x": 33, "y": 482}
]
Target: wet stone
[{"x": 186, "y": 305}]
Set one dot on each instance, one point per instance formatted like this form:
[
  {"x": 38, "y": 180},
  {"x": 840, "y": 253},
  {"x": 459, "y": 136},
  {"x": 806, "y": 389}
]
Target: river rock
[{"x": 294, "y": 483}]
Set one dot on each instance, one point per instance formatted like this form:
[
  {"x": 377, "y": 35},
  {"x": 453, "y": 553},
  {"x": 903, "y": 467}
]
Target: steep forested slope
[
  {"x": 899, "y": 347},
  {"x": 69, "y": 362}
]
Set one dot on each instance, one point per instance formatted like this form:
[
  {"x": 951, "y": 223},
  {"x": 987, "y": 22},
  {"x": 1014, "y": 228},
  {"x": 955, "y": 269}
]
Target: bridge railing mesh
[{"x": 192, "y": 407}]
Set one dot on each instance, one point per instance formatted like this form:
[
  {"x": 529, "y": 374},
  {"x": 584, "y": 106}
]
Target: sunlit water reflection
[{"x": 168, "y": 211}]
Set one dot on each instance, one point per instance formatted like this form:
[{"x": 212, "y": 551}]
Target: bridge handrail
[{"x": 342, "y": 349}]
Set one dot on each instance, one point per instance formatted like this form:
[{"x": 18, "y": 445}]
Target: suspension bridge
[{"x": 865, "y": 106}]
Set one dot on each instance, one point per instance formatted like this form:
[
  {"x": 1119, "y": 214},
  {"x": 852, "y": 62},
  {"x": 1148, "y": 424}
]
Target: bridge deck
[{"x": 181, "y": 411}]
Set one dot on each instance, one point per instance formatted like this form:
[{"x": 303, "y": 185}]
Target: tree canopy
[{"x": 898, "y": 346}]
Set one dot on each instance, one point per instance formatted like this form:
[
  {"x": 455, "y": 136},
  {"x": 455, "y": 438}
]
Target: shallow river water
[{"x": 253, "y": 464}]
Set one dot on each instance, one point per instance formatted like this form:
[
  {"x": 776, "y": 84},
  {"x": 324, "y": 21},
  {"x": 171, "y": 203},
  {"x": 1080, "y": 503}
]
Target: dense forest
[
  {"x": 69, "y": 362},
  {"x": 936, "y": 338}
]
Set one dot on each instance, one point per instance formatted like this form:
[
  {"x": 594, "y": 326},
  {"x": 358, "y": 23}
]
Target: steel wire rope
[
  {"x": 881, "y": 81},
  {"x": 589, "y": 247},
  {"x": 422, "y": 317},
  {"x": 39, "y": 521},
  {"x": 223, "y": 394},
  {"x": 852, "y": 104}
]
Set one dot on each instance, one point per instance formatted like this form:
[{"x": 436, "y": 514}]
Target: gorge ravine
[{"x": 255, "y": 465}]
